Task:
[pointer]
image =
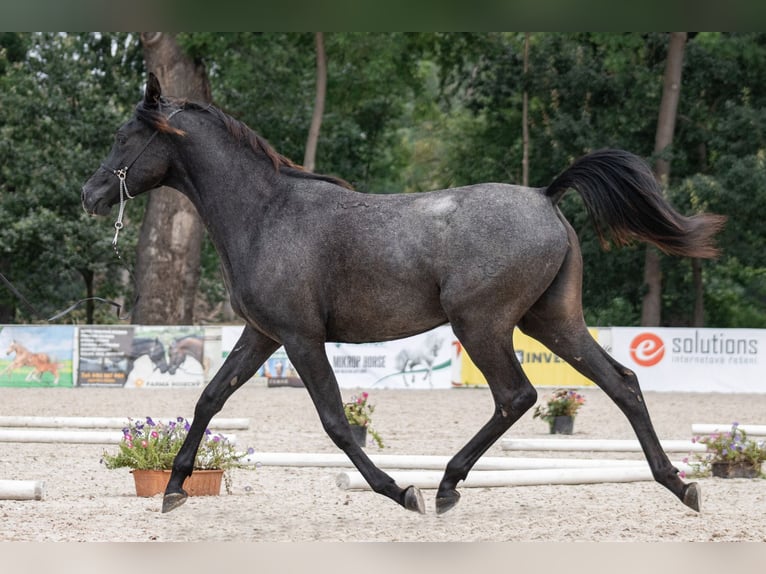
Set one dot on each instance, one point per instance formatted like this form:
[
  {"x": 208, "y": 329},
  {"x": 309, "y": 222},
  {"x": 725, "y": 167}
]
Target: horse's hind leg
[
  {"x": 310, "y": 360},
  {"x": 491, "y": 349},
  {"x": 249, "y": 353},
  {"x": 577, "y": 347},
  {"x": 556, "y": 320}
]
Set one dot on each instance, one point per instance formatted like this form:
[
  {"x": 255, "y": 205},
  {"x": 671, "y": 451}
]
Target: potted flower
[
  {"x": 731, "y": 454},
  {"x": 148, "y": 448},
  {"x": 560, "y": 410},
  {"x": 359, "y": 415}
]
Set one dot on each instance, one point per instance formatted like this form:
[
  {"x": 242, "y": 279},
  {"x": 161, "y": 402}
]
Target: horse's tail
[{"x": 625, "y": 203}]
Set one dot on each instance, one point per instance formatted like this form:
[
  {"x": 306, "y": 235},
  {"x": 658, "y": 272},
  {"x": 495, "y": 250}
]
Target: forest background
[{"x": 391, "y": 113}]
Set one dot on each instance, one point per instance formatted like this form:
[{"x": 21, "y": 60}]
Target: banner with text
[
  {"x": 542, "y": 367},
  {"x": 419, "y": 362},
  {"x": 699, "y": 360}
]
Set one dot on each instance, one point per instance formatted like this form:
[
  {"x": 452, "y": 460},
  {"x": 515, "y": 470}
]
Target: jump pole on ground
[
  {"x": 353, "y": 480},
  {"x": 107, "y": 422},
  {"x": 427, "y": 462},
  {"x": 594, "y": 445},
  {"x": 21, "y": 489},
  {"x": 706, "y": 428}
]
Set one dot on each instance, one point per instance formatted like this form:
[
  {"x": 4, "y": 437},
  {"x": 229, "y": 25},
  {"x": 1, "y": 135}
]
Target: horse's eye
[{"x": 120, "y": 138}]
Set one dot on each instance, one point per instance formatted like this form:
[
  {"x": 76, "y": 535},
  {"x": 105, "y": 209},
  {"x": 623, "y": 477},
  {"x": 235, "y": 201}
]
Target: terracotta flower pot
[{"x": 200, "y": 483}]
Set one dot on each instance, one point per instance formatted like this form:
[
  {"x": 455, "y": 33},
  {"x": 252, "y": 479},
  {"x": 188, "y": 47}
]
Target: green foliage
[
  {"x": 561, "y": 403},
  {"x": 150, "y": 445},
  {"x": 404, "y": 112},
  {"x": 359, "y": 411},
  {"x": 59, "y": 104},
  {"x": 732, "y": 447}
]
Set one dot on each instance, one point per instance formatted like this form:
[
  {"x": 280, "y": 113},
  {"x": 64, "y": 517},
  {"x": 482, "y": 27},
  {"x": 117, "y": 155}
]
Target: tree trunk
[
  {"x": 651, "y": 311},
  {"x": 309, "y": 158},
  {"x": 525, "y": 118},
  {"x": 698, "y": 316},
  {"x": 170, "y": 241}
]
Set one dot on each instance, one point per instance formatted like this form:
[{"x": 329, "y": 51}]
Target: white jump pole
[
  {"x": 107, "y": 422},
  {"x": 21, "y": 489},
  {"x": 706, "y": 429},
  {"x": 67, "y": 436},
  {"x": 352, "y": 480},
  {"x": 426, "y": 462},
  {"x": 595, "y": 445}
]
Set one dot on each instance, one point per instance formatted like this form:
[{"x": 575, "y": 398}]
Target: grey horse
[{"x": 308, "y": 260}]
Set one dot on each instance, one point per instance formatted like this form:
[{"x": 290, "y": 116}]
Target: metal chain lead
[{"x": 124, "y": 196}]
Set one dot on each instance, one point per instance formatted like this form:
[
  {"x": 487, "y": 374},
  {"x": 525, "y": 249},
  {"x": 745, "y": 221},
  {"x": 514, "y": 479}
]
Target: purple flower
[
  {"x": 149, "y": 421},
  {"x": 217, "y": 438},
  {"x": 180, "y": 419},
  {"x": 250, "y": 450}
]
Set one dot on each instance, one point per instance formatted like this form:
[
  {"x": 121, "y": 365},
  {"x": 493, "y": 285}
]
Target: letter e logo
[{"x": 647, "y": 349}]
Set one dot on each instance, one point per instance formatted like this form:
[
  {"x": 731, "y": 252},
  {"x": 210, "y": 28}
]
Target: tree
[
  {"x": 61, "y": 95},
  {"x": 309, "y": 158},
  {"x": 170, "y": 242},
  {"x": 666, "y": 123}
]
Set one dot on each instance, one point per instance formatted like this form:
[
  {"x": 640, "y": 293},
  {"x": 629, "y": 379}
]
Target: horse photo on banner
[
  {"x": 141, "y": 357},
  {"x": 35, "y": 356}
]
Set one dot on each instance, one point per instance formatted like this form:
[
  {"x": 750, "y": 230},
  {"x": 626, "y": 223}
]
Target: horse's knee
[
  {"x": 525, "y": 399},
  {"x": 519, "y": 403}
]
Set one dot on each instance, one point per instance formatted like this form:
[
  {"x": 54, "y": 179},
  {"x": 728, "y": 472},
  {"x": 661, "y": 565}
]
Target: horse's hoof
[
  {"x": 691, "y": 496},
  {"x": 173, "y": 500},
  {"x": 445, "y": 502},
  {"x": 413, "y": 500}
]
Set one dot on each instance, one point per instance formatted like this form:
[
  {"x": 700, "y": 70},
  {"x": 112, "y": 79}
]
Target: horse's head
[
  {"x": 157, "y": 355},
  {"x": 177, "y": 356},
  {"x": 11, "y": 348},
  {"x": 139, "y": 158}
]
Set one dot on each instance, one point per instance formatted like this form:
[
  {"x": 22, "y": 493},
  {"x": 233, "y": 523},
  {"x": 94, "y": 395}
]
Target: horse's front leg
[
  {"x": 310, "y": 360},
  {"x": 251, "y": 350}
]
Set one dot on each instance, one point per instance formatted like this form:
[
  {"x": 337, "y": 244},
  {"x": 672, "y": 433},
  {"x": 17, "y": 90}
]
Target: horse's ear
[{"x": 153, "y": 91}]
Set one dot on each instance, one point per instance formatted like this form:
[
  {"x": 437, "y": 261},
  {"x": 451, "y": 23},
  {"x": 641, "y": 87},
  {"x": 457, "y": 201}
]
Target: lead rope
[{"x": 124, "y": 196}]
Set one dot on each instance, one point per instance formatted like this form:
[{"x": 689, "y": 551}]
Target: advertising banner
[
  {"x": 542, "y": 367},
  {"x": 699, "y": 360},
  {"x": 140, "y": 357},
  {"x": 36, "y": 356},
  {"x": 419, "y": 362}
]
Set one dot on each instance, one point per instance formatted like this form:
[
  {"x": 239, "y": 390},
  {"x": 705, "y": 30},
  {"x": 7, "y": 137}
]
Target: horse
[
  {"x": 40, "y": 363},
  {"x": 356, "y": 268},
  {"x": 190, "y": 345},
  {"x": 153, "y": 348},
  {"x": 407, "y": 359}
]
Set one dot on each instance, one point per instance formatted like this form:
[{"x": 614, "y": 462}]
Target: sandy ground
[{"x": 85, "y": 502}]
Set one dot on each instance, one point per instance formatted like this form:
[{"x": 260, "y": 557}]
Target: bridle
[{"x": 122, "y": 174}]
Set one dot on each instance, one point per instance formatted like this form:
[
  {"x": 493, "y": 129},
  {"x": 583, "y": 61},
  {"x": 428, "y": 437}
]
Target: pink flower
[
  {"x": 143, "y": 443},
  {"x": 682, "y": 474},
  {"x": 154, "y": 434}
]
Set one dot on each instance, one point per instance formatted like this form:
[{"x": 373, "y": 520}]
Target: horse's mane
[{"x": 241, "y": 131}]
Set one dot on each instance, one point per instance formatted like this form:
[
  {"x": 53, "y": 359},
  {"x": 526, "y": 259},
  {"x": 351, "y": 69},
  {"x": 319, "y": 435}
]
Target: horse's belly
[{"x": 384, "y": 317}]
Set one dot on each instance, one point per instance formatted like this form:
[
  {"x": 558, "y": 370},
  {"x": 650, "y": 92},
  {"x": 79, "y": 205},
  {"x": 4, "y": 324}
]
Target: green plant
[
  {"x": 150, "y": 445},
  {"x": 359, "y": 412},
  {"x": 562, "y": 403},
  {"x": 731, "y": 447}
]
